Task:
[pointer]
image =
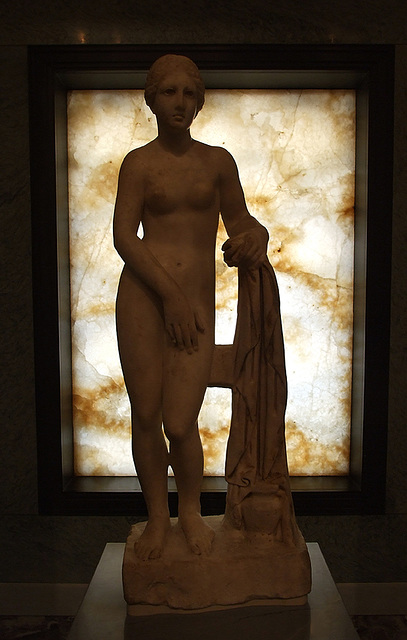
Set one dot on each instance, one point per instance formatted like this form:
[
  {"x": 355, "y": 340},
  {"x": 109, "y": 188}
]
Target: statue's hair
[{"x": 167, "y": 64}]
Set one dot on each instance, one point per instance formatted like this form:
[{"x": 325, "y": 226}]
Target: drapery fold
[{"x": 256, "y": 455}]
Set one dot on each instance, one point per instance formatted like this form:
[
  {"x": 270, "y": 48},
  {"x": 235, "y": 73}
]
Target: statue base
[{"x": 238, "y": 570}]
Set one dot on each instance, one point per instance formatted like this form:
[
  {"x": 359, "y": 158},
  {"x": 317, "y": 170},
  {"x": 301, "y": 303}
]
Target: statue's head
[{"x": 168, "y": 64}]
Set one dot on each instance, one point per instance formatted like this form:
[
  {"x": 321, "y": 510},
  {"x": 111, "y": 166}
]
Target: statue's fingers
[
  {"x": 194, "y": 339},
  {"x": 230, "y": 263},
  {"x": 231, "y": 244},
  {"x": 187, "y": 338},
  {"x": 179, "y": 339},
  {"x": 251, "y": 251},
  {"x": 171, "y": 333},
  {"x": 233, "y": 256},
  {"x": 198, "y": 323}
]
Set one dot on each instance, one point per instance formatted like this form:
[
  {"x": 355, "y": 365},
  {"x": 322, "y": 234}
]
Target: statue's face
[{"x": 175, "y": 103}]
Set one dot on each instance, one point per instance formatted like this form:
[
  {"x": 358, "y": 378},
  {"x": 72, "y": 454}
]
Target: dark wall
[{"x": 66, "y": 549}]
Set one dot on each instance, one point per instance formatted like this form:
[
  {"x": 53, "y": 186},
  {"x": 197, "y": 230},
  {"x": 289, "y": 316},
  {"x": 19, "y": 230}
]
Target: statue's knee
[
  {"x": 146, "y": 420},
  {"x": 176, "y": 431}
]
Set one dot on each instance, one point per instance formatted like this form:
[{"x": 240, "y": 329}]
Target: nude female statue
[{"x": 176, "y": 186}]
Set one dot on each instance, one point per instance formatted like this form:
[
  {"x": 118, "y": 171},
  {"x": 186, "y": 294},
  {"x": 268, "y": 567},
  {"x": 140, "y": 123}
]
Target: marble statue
[{"x": 176, "y": 187}]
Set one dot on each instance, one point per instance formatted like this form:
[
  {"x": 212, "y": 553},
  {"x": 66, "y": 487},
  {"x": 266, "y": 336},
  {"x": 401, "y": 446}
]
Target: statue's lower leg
[
  {"x": 151, "y": 460},
  {"x": 186, "y": 458}
]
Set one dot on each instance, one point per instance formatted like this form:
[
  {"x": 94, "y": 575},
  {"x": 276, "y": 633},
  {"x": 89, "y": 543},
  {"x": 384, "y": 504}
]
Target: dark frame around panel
[{"x": 53, "y": 71}]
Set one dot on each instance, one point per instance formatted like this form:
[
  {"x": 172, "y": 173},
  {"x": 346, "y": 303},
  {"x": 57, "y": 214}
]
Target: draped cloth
[{"x": 256, "y": 454}]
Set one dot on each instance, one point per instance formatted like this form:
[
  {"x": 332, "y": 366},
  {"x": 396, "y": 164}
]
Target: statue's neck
[{"x": 177, "y": 142}]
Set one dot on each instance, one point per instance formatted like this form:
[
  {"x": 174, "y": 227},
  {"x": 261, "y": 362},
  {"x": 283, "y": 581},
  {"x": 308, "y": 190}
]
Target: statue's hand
[
  {"x": 247, "y": 250},
  {"x": 182, "y": 323}
]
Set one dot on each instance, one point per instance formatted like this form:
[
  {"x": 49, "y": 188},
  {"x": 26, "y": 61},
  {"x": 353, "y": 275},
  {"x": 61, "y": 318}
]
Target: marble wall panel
[{"x": 295, "y": 151}]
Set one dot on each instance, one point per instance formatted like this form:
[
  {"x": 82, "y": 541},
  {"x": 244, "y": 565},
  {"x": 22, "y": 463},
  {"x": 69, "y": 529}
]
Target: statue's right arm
[
  {"x": 180, "y": 321},
  {"x": 127, "y": 216}
]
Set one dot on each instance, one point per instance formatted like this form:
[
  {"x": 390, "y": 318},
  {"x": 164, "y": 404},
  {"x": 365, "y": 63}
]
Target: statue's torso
[{"x": 181, "y": 213}]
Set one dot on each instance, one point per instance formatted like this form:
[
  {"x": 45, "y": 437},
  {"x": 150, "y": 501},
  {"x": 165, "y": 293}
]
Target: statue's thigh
[
  {"x": 185, "y": 379},
  {"x": 141, "y": 339}
]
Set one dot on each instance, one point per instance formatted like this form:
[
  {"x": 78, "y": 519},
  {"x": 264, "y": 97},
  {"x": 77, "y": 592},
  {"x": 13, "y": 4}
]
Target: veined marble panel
[{"x": 296, "y": 155}]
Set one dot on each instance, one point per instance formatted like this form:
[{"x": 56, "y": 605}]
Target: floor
[
  {"x": 381, "y": 627},
  {"x": 372, "y": 627},
  {"x": 35, "y": 627}
]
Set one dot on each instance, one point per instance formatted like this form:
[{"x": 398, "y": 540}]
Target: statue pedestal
[
  {"x": 102, "y": 615},
  {"x": 237, "y": 570}
]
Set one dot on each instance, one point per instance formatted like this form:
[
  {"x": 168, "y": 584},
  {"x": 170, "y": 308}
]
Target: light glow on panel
[{"x": 296, "y": 156}]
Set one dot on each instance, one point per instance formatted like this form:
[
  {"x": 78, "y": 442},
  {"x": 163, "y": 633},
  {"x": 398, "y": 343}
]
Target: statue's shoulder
[
  {"x": 137, "y": 158},
  {"x": 218, "y": 155}
]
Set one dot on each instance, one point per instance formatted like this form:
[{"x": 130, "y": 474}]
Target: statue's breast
[{"x": 174, "y": 190}]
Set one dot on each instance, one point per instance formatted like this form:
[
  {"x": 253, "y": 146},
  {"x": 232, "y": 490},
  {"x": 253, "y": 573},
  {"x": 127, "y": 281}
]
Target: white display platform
[{"x": 103, "y": 616}]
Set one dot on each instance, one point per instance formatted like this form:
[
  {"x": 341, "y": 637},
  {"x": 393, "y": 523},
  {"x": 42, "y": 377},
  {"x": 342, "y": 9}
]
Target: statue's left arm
[{"x": 247, "y": 243}]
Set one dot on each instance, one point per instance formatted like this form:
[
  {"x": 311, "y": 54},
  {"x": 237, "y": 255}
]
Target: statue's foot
[
  {"x": 150, "y": 544},
  {"x": 198, "y": 534}
]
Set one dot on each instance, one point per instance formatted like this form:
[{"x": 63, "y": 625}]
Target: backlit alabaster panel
[{"x": 295, "y": 151}]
